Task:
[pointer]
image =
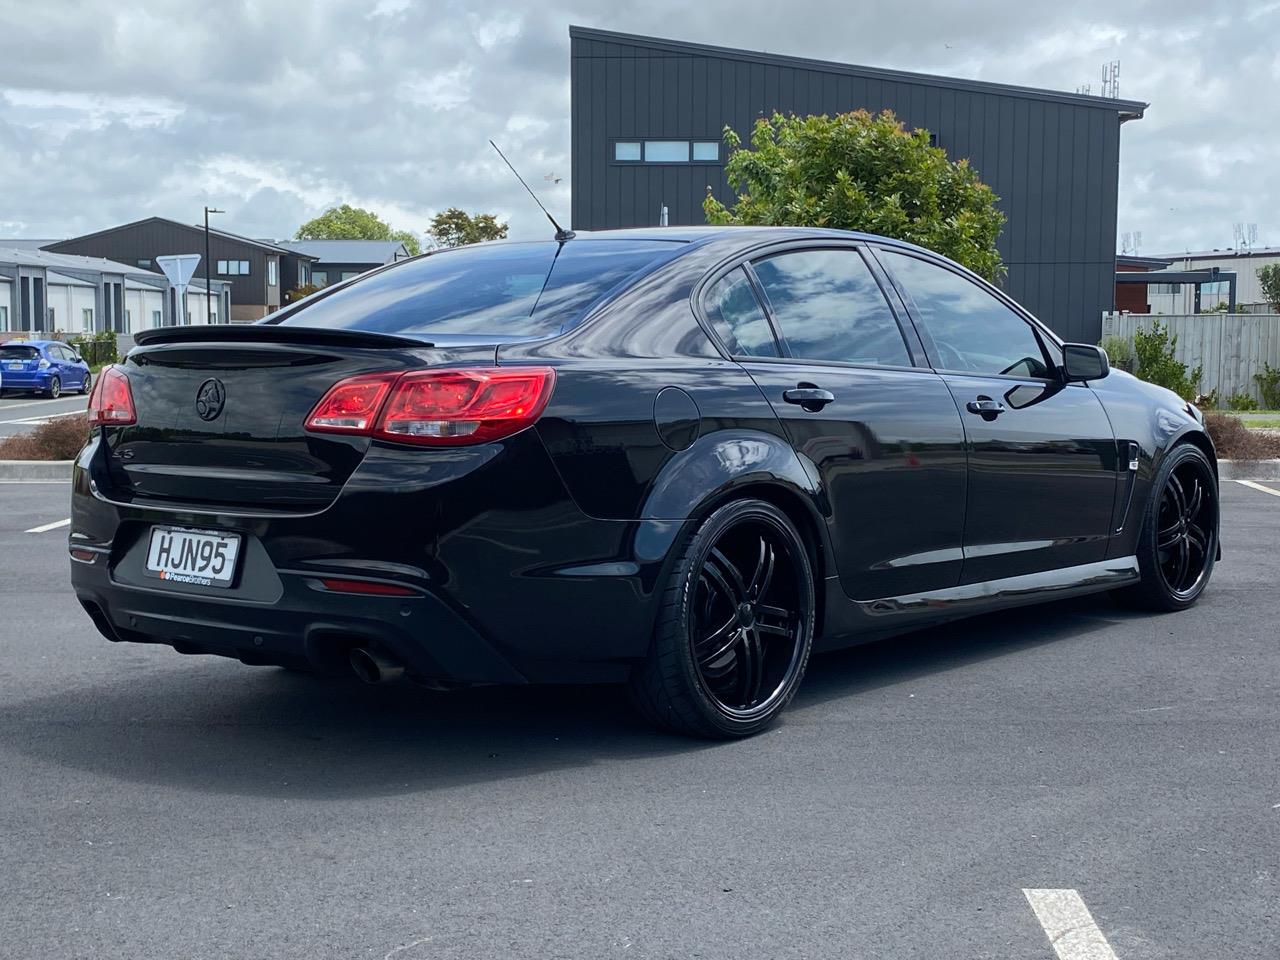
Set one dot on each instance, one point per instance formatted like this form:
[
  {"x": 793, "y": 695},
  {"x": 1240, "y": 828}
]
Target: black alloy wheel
[
  {"x": 736, "y": 627},
  {"x": 55, "y": 388},
  {"x": 88, "y": 383},
  {"x": 1178, "y": 544}
]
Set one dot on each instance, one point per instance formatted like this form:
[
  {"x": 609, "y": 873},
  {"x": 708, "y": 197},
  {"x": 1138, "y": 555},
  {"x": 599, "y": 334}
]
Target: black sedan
[{"x": 678, "y": 459}]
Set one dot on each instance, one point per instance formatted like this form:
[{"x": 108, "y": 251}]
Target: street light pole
[{"x": 208, "y": 287}]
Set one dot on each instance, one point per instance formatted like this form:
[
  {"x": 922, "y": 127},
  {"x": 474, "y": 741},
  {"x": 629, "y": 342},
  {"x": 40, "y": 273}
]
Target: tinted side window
[
  {"x": 972, "y": 330},
  {"x": 738, "y": 318},
  {"x": 829, "y": 307}
]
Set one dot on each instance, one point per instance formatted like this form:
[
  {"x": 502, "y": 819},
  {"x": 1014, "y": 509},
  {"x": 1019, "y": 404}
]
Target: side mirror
[
  {"x": 77, "y": 358},
  {"x": 1084, "y": 361}
]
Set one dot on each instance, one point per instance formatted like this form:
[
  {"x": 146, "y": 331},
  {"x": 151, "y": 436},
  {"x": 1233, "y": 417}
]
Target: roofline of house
[
  {"x": 198, "y": 230},
  {"x": 1127, "y": 109}
]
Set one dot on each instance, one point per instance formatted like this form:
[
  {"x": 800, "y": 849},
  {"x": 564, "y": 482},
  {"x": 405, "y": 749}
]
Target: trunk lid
[{"x": 220, "y": 413}]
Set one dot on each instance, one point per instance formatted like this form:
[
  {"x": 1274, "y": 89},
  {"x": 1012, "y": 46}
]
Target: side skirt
[{"x": 847, "y": 622}]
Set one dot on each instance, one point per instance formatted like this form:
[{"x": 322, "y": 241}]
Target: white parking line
[
  {"x": 45, "y": 528},
  {"x": 30, "y": 403},
  {"x": 1257, "y": 486},
  {"x": 1069, "y": 925},
  {"x": 46, "y": 417}
]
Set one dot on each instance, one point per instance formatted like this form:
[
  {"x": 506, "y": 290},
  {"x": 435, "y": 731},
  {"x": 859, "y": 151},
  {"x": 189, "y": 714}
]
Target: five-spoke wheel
[
  {"x": 736, "y": 626},
  {"x": 1178, "y": 543}
]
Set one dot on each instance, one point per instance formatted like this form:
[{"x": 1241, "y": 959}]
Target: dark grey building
[
  {"x": 648, "y": 114},
  {"x": 337, "y": 260},
  {"x": 254, "y": 268}
]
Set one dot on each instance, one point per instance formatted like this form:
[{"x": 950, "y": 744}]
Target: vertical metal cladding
[{"x": 1052, "y": 158}]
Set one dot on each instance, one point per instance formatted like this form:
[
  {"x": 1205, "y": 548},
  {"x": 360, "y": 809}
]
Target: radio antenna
[{"x": 561, "y": 233}]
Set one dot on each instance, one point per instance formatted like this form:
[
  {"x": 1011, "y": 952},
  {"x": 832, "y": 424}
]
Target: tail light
[
  {"x": 111, "y": 400},
  {"x": 436, "y": 407}
]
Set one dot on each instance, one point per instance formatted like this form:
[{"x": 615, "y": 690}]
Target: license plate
[
  {"x": 204, "y": 558},
  {"x": 14, "y": 365}
]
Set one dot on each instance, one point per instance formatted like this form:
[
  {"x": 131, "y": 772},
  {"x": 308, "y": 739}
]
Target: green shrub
[
  {"x": 1119, "y": 352},
  {"x": 1269, "y": 386},
  {"x": 1242, "y": 401},
  {"x": 1154, "y": 350},
  {"x": 96, "y": 348}
]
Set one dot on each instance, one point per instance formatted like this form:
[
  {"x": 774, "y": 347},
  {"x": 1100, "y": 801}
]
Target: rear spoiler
[{"x": 271, "y": 333}]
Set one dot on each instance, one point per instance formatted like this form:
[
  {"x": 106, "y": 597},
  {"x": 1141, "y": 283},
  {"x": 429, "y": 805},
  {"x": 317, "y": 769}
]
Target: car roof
[
  {"x": 28, "y": 343},
  {"x": 743, "y": 235}
]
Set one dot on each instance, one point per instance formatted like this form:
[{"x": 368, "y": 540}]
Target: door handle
[
  {"x": 809, "y": 397},
  {"x": 985, "y": 407}
]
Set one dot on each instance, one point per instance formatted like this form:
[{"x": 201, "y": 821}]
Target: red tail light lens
[
  {"x": 452, "y": 407},
  {"x": 437, "y": 407},
  {"x": 351, "y": 405},
  {"x": 111, "y": 400}
]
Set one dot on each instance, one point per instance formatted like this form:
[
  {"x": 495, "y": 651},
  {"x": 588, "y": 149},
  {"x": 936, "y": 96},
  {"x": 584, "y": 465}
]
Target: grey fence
[{"x": 1231, "y": 347}]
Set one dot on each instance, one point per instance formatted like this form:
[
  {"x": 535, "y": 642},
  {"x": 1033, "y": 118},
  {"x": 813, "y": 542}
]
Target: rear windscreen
[
  {"x": 507, "y": 289},
  {"x": 18, "y": 353}
]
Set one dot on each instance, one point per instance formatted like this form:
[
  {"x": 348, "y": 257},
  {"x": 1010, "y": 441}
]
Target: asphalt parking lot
[
  {"x": 22, "y": 412},
  {"x": 155, "y": 805}
]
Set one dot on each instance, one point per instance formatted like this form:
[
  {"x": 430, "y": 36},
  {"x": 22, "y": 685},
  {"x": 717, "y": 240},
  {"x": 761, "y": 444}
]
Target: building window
[
  {"x": 128, "y": 319},
  {"x": 156, "y": 319},
  {"x": 666, "y": 151},
  {"x": 271, "y": 272},
  {"x": 4, "y": 318},
  {"x": 146, "y": 264},
  {"x": 320, "y": 278},
  {"x": 348, "y": 274},
  {"x": 1163, "y": 288},
  {"x": 302, "y": 274},
  {"x": 233, "y": 268},
  {"x": 86, "y": 318}
]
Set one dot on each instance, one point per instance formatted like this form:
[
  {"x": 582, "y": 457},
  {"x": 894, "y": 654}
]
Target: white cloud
[{"x": 110, "y": 112}]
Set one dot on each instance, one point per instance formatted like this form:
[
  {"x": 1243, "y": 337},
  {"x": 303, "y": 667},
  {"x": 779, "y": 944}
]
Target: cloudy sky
[{"x": 275, "y": 110}]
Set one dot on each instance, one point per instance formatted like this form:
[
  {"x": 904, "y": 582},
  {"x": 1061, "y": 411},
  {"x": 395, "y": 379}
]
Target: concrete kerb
[
  {"x": 35, "y": 469},
  {"x": 1249, "y": 469}
]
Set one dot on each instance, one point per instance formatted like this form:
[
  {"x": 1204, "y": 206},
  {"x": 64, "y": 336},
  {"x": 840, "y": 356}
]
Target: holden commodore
[{"x": 680, "y": 460}]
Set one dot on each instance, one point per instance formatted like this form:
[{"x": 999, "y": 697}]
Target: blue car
[{"x": 43, "y": 366}]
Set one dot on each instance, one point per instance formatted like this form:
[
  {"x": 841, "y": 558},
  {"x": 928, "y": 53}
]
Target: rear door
[
  {"x": 813, "y": 327},
  {"x": 1043, "y": 468}
]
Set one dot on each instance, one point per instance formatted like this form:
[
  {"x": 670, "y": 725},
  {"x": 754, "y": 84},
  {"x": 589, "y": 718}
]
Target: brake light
[
  {"x": 111, "y": 400},
  {"x": 437, "y": 407},
  {"x": 351, "y": 405}
]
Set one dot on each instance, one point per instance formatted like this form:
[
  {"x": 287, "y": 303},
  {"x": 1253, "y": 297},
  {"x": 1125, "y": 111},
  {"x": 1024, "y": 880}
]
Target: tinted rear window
[
  {"x": 506, "y": 290},
  {"x": 18, "y": 353}
]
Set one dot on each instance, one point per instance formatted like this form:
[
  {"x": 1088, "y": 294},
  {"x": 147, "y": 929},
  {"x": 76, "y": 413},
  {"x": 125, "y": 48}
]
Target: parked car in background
[
  {"x": 43, "y": 366},
  {"x": 678, "y": 459}
]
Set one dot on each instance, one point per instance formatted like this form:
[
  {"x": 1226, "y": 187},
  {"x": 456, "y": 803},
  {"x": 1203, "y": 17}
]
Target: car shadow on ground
[{"x": 216, "y": 726}]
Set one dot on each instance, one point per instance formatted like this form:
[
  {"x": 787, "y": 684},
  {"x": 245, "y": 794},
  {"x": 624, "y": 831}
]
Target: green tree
[
  {"x": 856, "y": 171},
  {"x": 353, "y": 223},
  {"x": 1269, "y": 278},
  {"x": 455, "y": 228}
]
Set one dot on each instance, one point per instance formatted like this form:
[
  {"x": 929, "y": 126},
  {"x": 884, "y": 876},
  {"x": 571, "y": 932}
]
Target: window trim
[
  {"x": 1044, "y": 336},
  {"x": 717, "y": 139},
  {"x": 743, "y": 258}
]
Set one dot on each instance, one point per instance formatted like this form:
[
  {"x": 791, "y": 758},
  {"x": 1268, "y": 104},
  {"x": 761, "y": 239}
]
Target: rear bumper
[
  {"x": 26, "y": 381},
  {"x": 304, "y": 625},
  {"x": 510, "y": 581}
]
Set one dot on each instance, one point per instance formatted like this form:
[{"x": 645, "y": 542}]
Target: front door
[
  {"x": 1043, "y": 468},
  {"x": 881, "y": 435}
]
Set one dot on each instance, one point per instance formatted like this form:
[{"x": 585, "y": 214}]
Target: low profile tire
[
  {"x": 734, "y": 629},
  {"x": 1178, "y": 543},
  {"x": 55, "y": 389},
  {"x": 88, "y": 383}
]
